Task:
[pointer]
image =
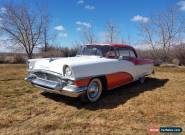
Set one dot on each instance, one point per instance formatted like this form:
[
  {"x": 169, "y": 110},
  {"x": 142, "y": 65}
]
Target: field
[{"x": 131, "y": 109}]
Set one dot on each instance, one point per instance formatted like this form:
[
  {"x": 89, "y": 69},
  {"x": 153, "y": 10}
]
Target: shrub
[
  {"x": 59, "y": 52},
  {"x": 176, "y": 61},
  {"x": 18, "y": 58},
  {"x": 12, "y": 58},
  {"x": 9, "y": 59}
]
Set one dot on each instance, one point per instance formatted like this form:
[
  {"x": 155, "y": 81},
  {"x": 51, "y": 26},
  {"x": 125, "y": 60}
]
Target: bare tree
[
  {"x": 111, "y": 33},
  {"x": 88, "y": 36},
  {"x": 46, "y": 33},
  {"x": 127, "y": 40},
  {"x": 163, "y": 30},
  {"x": 23, "y": 26},
  {"x": 147, "y": 31}
]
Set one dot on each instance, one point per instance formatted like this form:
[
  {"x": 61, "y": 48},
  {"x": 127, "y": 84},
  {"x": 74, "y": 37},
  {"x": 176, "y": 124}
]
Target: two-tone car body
[{"x": 96, "y": 67}]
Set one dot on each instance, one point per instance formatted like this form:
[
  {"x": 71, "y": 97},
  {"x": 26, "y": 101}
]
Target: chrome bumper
[{"x": 56, "y": 87}]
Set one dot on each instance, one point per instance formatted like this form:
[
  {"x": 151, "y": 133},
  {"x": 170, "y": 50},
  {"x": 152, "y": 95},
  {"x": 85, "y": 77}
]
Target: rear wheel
[{"x": 93, "y": 92}]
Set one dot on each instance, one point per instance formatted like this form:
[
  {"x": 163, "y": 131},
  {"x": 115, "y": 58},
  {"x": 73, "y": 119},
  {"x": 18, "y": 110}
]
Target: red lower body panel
[
  {"x": 113, "y": 80},
  {"x": 117, "y": 79}
]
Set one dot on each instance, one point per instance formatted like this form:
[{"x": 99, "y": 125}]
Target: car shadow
[{"x": 113, "y": 98}]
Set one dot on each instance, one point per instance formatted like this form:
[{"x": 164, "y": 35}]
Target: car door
[
  {"x": 120, "y": 71},
  {"x": 127, "y": 58}
]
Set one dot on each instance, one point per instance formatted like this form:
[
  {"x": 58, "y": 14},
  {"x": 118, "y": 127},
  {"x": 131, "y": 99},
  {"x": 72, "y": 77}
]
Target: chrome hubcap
[{"x": 93, "y": 90}]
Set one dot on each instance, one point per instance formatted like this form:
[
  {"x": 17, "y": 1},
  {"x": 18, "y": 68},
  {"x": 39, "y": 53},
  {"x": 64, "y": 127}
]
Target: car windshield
[{"x": 97, "y": 50}]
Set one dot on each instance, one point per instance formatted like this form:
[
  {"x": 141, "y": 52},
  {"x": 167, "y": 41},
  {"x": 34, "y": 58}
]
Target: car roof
[{"x": 114, "y": 45}]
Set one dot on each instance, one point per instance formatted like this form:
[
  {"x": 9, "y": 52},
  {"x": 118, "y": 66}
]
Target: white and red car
[{"x": 97, "y": 67}]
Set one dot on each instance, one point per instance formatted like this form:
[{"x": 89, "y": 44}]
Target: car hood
[{"x": 56, "y": 64}]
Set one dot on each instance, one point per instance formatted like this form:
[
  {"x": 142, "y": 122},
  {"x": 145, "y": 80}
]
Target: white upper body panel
[{"x": 87, "y": 66}]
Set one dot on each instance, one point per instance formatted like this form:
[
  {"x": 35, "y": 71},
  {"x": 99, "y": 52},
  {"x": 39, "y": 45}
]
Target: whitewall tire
[{"x": 93, "y": 92}]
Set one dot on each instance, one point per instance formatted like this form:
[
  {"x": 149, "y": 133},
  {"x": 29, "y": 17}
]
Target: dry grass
[{"x": 131, "y": 109}]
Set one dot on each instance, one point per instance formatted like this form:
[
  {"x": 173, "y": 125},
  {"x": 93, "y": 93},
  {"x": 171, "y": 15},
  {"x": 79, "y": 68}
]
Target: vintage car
[{"x": 96, "y": 67}]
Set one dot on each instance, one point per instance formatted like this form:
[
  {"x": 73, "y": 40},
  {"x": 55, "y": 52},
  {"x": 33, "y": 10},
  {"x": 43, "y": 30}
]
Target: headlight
[{"x": 67, "y": 71}]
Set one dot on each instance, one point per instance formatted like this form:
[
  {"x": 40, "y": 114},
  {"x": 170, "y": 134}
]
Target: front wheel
[{"x": 93, "y": 92}]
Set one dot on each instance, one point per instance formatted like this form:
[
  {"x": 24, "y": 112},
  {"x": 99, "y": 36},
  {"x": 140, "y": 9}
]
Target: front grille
[{"x": 48, "y": 76}]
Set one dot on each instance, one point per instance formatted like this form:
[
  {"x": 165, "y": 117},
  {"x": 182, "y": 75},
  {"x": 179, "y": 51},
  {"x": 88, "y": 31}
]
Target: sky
[{"x": 68, "y": 17}]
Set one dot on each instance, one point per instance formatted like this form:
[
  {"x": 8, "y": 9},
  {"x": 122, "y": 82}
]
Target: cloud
[
  {"x": 82, "y": 25},
  {"x": 87, "y": 6},
  {"x": 61, "y": 31},
  {"x": 181, "y": 5},
  {"x": 59, "y": 28},
  {"x": 63, "y": 34},
  {"x": 79, "y": 29},
  {"x": 90, "y": 7},
  {"x": 139, "y": 18},
  {"x": 85, "y": 24},
  {"x": 2, "y": 10},
  {"x": 80, "y": 2}
]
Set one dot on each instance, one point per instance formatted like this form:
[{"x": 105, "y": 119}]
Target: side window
[
  {"x": 124, "y": 52},
  {"x": 132, "y": 54}
]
